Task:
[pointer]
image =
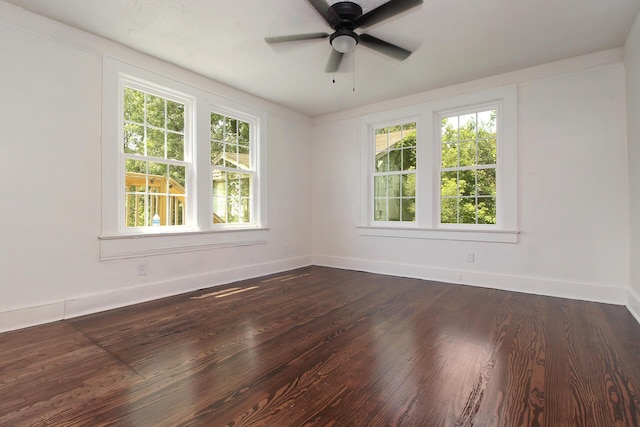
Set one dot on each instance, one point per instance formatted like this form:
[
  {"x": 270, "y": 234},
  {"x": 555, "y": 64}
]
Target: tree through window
[{"x": 468, "y": 169}]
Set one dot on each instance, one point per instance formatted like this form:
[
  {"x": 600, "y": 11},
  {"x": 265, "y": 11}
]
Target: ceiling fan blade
[
  {"x": 385, "y": 11},
  {"x": 295, "y": 37},
  {"x": 384, "y": 47},
  {"x": 334, "y": 61},
  {"x": 323, "y": 9}
]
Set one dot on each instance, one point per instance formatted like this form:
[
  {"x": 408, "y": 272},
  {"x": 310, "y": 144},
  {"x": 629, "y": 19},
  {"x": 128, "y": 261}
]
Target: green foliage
[{"x": 468, "y": 179}]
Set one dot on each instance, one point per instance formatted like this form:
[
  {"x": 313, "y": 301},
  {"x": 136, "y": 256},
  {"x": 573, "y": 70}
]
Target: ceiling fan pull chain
[
  {"x": 354, "y": 70},
  {"x": 334, "y": 78}
]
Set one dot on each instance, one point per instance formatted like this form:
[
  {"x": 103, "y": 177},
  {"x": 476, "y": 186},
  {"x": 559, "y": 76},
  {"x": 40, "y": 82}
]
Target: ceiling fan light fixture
[{"x": 344, "y": 41}]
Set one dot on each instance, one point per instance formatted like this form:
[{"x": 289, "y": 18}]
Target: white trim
[
  {"x": 633, "y": 304},
  {"x": 31, "y": 316},
  {"x": 495, "y": 236},
  {"x": 529, "y": 285},
  {"x": 138, "y": 245},
  {"x": 93, "y": 303}
]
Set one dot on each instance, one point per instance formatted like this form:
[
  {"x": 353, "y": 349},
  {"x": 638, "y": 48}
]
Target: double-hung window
[
  {"x": 179, "y": 164},
  {"x": 443, "y": 170},
  {"x": 156, "y": 157}
]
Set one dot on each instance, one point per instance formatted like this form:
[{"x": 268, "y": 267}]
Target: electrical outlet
[
  {"x": 470, "y": 257},
  {"x": 142, "y": 269}
]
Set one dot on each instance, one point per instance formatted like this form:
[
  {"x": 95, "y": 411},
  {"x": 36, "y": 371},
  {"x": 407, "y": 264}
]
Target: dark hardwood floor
[{"x": 328, "y": 347}]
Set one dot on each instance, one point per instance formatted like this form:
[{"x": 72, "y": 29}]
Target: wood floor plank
[{"x": 320, "y": 346}]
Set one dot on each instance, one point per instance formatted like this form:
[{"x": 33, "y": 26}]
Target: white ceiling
[{"x": 452, "y": 40}]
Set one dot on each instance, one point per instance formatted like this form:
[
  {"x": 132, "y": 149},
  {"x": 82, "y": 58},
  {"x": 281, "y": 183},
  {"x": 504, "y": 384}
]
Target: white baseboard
[
  {"x": 633, "y": 304},
  {"x": 537, "y": 286},
  {"x": 93, "y": 303},
  {"x": 30, "y": 316}
]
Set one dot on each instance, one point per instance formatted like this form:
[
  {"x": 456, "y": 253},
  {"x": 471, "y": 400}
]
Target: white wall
[
  {"x": 50, "y": 116},
  {"x": 632, "y": 63},
  {"x": 572, "y": 188}
]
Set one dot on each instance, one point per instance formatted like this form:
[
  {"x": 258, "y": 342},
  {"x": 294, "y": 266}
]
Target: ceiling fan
[{"x": 344, "y": 17}]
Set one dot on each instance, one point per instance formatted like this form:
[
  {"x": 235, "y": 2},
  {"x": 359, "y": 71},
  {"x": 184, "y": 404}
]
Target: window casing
[
  {"x": 157, "y": 172},
  {"x": 465, "y": 175}
]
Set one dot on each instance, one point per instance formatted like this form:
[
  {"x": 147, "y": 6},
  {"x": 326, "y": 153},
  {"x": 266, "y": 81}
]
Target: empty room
[{"x": 310, "y": 212}]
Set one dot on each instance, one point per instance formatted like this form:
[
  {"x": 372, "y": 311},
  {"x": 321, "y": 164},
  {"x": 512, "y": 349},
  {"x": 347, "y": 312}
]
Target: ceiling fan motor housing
[{"x": 343, "y": 20}]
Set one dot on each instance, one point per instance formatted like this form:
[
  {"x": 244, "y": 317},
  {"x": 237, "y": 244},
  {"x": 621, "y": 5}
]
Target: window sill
[
  {"x": 121, "y": 246},
  {"x": 494, "y": 236}
]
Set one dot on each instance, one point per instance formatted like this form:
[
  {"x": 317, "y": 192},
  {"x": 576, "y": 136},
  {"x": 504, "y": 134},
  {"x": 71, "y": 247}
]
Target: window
[
  {"x": 394, "y": 179},
  {"x": 232, "y": 169},
  {"x": 443, "y": 170},
  {"x": 155, "y": 166},
  {"x": 468, "y": 168},
  {"x": 181, "y": 167}
]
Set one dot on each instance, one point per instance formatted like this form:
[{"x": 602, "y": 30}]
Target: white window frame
[
  {"x": 427, "y": 118},
  {"x": 118, "y": 241}
]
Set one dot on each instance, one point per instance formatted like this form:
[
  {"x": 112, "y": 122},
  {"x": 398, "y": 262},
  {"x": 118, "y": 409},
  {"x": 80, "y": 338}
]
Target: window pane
[
  {"x": 467, "y": 183},
  {"x": 394, "y": 185},
  {"x": 217, "y": 157},
  {"x": 175, "y": 116},
  {"x": 382, "y": 162},
  {"x": 219, "y": 184},
  {"x": 175, "y": 146},
  {"x": 467, "y": 127},
  {"x": 486, "y": 182},
  {"x": 135, "y": 210},
  {"x": 217, "y": 127},
  {"x": 408, "y": 209},
  {"x": 176, "y": 210},
  {"x": 243, "y": 133},
  {"x": 486, "y": 123},
  {"x": 467, "y": 213},
  {"x": 394, "y": 210},
  {"x": 157, "y": 214},
  {"x": 449, "y": 154},
  {"x": 449, "y": 129},
  {"x": 133, "y": 105},
  {"x": 245, "y": 185},
  {"x": 449, "y": 183},
  {"x": 467, "y": 153},
  {"x": 155, "y": 143},
  {"x": 133, "y": 139},
  {"x": 449, "y": 210},
  {"x": 155, "y": 111},
  {"x": 244, "y": 160},
  {"x": 487, "y": 151},
  {"x": 219, "y": 210},
  {"x": 136, "y": 166},
  {"x": 231, "y": 155},
  {"x": 380, "y": 186},
  {"x": 409, "y": 159},
  {"x": 409, "y": 185},
  {"x": 380, "y": 209},
  {"x": 234, "y": 209},
  {"x": 395, "y": 160},
  {"x": 231, "y": 131},
  {"x": 246, "y": 210},
  {"x": 177, "y": 179},
  {"x": 233, "y": 184},
  {"x": 487, "y": 210}
]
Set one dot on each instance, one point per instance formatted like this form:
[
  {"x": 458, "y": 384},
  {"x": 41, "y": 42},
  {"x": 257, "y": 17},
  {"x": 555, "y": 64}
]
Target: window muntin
[
  {"x": 394, "y": 177},
  {"x": 468, "y": 152},
  {"x": 154, "y": 161},
  {"x": 233, "y": 169}
]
